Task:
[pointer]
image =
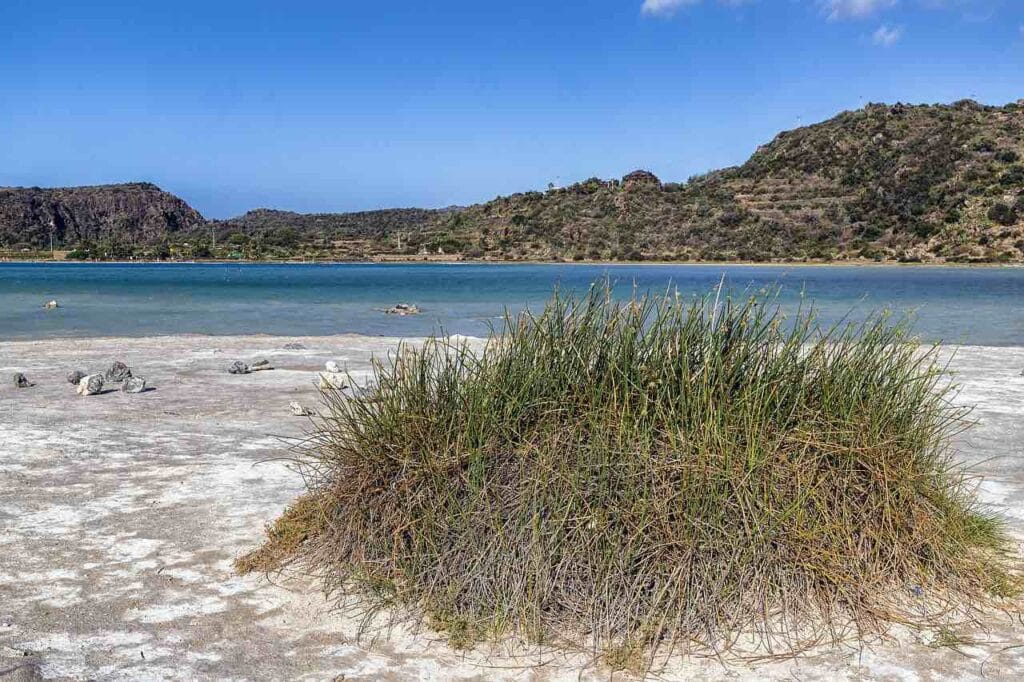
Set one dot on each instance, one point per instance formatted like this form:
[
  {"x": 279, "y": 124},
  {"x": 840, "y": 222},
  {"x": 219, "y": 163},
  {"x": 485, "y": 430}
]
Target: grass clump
[{"x": 639, "y": 475}]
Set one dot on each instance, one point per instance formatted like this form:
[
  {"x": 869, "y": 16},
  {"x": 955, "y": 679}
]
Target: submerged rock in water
[
  {"x": 298, "y": 410},
  {"x": 335, "y": 381},
  {"x": 134, "y": 385},
  {"x": 118, "y": 372},
  {"x": 75, "y": 377},
  {"x": 50, "y": 305},
  {"x": 402, "y": 309},
  {"x": 20, "y": 380},
  {"x": 90, "y": 385},
  {"x": 238, "y": 367}
]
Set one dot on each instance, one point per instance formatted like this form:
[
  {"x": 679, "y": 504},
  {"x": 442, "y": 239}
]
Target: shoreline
[{"x": 614, "y": 263}]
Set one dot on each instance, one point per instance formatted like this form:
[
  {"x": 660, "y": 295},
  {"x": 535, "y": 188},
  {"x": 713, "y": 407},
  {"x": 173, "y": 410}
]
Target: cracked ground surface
[{"x": 120, "y": 516}]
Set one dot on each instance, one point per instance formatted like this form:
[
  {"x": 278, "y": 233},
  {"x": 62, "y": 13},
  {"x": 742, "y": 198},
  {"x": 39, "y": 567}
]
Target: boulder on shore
[
  {"x": 238, "y": 367},
  {"x": 76, "y": 376},
  {"x": 260, "y": 365},
  {"x": 20, "y": 380},
  {"x": 299, "y": 411},
  {"x": 90, "y": 385},
  {"x": 118, "y": 372},
  {"x": 332, "y": 367},
  {"x": 134, "y": 385}
]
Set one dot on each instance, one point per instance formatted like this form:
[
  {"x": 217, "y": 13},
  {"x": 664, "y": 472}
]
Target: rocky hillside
[
  {"x": 899, "y": 182},
  {"x": 894, "y": 182},
  {"x": 136, "y": 213}
]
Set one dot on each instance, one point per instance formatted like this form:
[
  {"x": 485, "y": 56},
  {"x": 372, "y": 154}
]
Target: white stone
[
  {"x": 90, "y": 385},
  {"x": 332, "y": 367},
  {"x": 333, "y": 380}
]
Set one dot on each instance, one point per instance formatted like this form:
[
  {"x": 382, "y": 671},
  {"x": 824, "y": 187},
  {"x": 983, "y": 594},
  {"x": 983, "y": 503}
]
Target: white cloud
[
  {"x": 854, "y": 9},
  {"x": 668, "y": 7},
  {"x": 664, "y": 7},
  {"x": 887, "y": 35}
]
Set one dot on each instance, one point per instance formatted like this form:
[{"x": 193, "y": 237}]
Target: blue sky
[{"x": 330, "y": 106}]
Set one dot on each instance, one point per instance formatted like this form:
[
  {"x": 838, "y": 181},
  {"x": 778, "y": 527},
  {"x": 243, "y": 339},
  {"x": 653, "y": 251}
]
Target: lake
[{"x": 977, "y": 306}]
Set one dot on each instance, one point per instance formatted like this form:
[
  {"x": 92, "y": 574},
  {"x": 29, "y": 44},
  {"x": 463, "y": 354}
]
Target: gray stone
[
  {"x": 134, "y": 385},
  {"x": 118, "y": 372},
  {"x": 298, "y": 410},
  {"x": 20, "y": 380},
  {"x": 90, "y": 385},
  {"x": 294, "y": 346},
  {"x": 238, "y": 367},
  {"x": 260, "y": 365},
  {"x": 75, "y": 377}
]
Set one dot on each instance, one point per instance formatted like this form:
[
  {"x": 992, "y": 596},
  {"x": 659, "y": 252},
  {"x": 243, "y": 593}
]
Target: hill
[
  {"x": 134, "y": 213},
  {"x": 886, "y": 182},
  {"x": 940, "y": 182}
]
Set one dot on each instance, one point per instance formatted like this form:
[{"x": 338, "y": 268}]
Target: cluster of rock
[
  {"x": 402, "y": 309},
  {"x": 333, "y": 378},
  {"x": 92, "y": 384},
  {"x": 239, "y": 367},
  {"x": 119, "y": 373}
]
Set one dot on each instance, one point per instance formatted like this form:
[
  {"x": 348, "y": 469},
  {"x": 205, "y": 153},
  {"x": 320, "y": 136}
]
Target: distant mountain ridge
[{"x": 886, "y": 182}]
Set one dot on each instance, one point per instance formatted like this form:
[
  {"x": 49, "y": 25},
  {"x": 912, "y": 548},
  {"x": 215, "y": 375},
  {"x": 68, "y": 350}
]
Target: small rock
[
  {"x": 299, "y": 410},
  {"x": 336, "y": 381},
  {"x": 118, "y": 372},
  {"x": 50, "y": 305},
  {"x": 134, "y": 385},
  {"x": 20, "y": 380},
  {"x": 260, "y": 365},
  {"x": 75, "y": 377},
  {"x": 90, "y": 385},
  {"x": 294, "y": 346},
  {"x": 238, "y": 367},
  {"x": 332, "y": 367}
]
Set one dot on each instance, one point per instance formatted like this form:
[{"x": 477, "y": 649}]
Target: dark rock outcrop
[{"x": 139, "y": 212}]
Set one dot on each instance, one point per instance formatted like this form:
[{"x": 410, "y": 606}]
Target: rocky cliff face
[{"x": 135, "y": 213}]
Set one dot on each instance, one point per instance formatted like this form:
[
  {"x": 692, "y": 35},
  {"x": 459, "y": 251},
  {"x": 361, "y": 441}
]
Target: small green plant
[{"x": 651, "y": 474}]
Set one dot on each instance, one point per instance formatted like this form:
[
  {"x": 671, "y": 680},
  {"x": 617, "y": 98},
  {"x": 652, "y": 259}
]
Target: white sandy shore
[{"x": 120, "y": 516}]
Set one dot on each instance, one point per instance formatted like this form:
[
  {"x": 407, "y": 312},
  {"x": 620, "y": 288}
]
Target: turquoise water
[{"x": 983, "y": 306}]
